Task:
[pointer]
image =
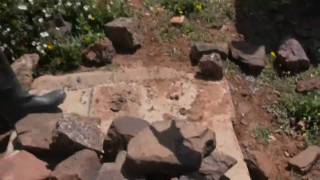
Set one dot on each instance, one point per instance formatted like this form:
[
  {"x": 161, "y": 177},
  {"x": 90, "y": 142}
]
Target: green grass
[{"x": 262, "y": 134}]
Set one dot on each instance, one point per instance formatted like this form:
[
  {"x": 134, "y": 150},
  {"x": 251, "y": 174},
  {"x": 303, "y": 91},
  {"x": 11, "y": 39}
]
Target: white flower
[
  {"x": 13, "y": 42},
  {"x": 45, "y": 45},
  {"x": 78, "y": 3},
  {"x": 30, "y": 1},
  {"x": 22, "y": 7},
  {"x": 86, "y": 7},
  {"x": 90, "y": 17},
  {"x": 44, "y": 34},
  {"x": 68, "y": 4},
  {"x": 33, "y": 43},
  {"x": 40, "y": 20}
]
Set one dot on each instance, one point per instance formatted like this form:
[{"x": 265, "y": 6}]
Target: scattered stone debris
[
  {"x": 84, "y": 164},
  {"x": 292, "y": 57},
  {"x": 199, "y": 49},
  {"x": 304, "y": 161},
  {"x": 251, "y": 57},
  {"x": 120, "y": 133},
  {"x": 24, "y": 67},
  {"x": 75, "y": 132},
  {"x": 211, "y": 66},
  {"x": 35, "y": 132},
  {"x": 177, "y": 20},
  {"x": 22, "y": 165},
  {"x": 123, "y": 34},
  {"x": 310, "y": 84},
  {"x": 100, "y": 53}
]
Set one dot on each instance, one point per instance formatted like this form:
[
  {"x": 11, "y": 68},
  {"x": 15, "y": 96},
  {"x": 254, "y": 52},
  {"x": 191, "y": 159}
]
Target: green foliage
[
  {"x": 30, "y": 26},
  {"x": 262, "y": 134}
]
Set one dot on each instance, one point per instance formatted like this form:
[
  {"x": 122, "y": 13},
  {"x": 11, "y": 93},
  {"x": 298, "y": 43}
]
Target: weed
[{"x": 262, "y": 134}]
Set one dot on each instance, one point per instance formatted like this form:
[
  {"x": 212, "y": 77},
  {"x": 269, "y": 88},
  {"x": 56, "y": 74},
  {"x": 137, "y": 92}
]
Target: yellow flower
[
  {"x": 199, "y": 7},
  {"x": 273, "y": 55},
  {"x": 50, "y": 46}
]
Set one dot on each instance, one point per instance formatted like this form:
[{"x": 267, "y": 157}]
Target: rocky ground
[{"x": 159, "y": 111}]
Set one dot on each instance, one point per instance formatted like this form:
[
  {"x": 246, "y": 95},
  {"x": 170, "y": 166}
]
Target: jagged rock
[
  {"x": 99, "y": 53},
  {"x": 75, "y": 132},
  {"x": 216, "y": 165},
  {"x": 211, "y": 66},
  {"x": 112, "y": 171},
  {"x": 169, "y": 148},
  {"x": 304, "y": 161},
  {"x": 309, "y": 84},
  {"x": 292, "y": 57},
  {"x": 24, "y": 67},
  {"x": 199, "y": 49},
  {"x": 35, "y": 131},
  {"x": 84, "y": 164},
  {"x": 259, "y": 164},
  {"x": 123, "y": 34},
  {"x": 252, "y": 57},
  {"x": 22, "y": 165},
  {"x": 120, "y": 132}
]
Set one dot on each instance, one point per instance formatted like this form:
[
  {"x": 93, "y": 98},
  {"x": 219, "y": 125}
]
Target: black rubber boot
[{"x": 13, "y": 98}]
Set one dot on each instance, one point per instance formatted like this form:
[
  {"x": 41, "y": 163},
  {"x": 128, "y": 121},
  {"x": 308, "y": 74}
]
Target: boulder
[
  {"x": 251, "y": 57},
  {"x": 22, "y": 165},
  {"x": 113, "y": 171},
  {"x": 211, "y": 66},
  {"x": 307, "y": 85},
  {"x": 35, "y": 131},
  {"x": 259, "y": 164},
  {"x": 169, "y": 148},
  {"x": 292, "y": 57},
  {"x": 216, "y": 165},
  {"x": 24, "y": 67},
  {"x": 123, "y": 34},
  {"x": 198, "y": 49},
  {"x": 304, "y": 161},
  {"x": 99, "y": 53},
  {"x": 84, "y": 165},
  {"x": 120, "y": 132},
  {"x": 75, "y": 132}
]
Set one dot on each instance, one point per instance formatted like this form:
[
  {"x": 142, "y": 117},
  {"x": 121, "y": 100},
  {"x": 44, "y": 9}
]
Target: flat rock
[
  {"x": 211, "y": 66},
  {"x": 198, "y": 49},
  {"x": 310, "y": 84},
  {"x": 123, "y": 34},
  {"x": 35, "y": 131},
  {"x": 84, "y": 164},
  {"x": 22, "y": 165},
  {"x": 169, "y": 148},
  {"x": 75, "y": 132},
  {"x": 24, "y": 67},
  {"x": 121, "y": 131},
  {"x": 216, "y": 165},
  {"x": 292, "y": 57},
  {"x": 252, "y": 57},
  {"x": 99, "y": 53},
  {"x": 113, "y": 171},
  {"x": 304, "y": 161}
]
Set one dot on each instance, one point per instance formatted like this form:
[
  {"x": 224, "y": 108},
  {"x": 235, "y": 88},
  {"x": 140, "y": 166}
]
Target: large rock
[
  {"x": 123, "y": 34},
  {"x": 310, "y": 84},
  {"x": 84, "y": 164},
  {"x": 99, "y": 53},
  {"x": 251, "y": 57},
  {"x": 198, "y": 49},
  {"x": 292, "y": 57},
  {"x": 169, "y": 148},
  {"x": 304, "y": 161},
  {"x": 211, "y": 66},
  {"x": 120, "y": 132},
  {"x": 35, "y": 131},
  {"x": 259, "y": 164},
  {"x": 22, "y": 165},
  {"x": 216, "y": 165},
  {"x": 24, "y": 67},
  {"x": 75, "y": 132},
  {"x": 113, "y": 171}
]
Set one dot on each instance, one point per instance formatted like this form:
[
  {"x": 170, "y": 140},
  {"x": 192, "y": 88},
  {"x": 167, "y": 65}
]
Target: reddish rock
[
  {"x": 252, "y": 57},
  {"x": 22, "y": 165},
  {"x": 35, "y": 131},
  {"x": 120, "y": 132},
  {"x": 123, "y": 32},
  {"x": 24, "y": 67},
  {"x": 75, "y": 132},
  {"x": 99, "y": 53},
  {"x": 177, "y": 20},
  {"x": 304, "y": 161},
  {"x": 292, "y": 57},
  {"x": 259, "y": 164},
  {"x": 198, "y": 49},
  {"x": 310, "y": 84},
  {"x": 84, "y": 164},
  {"x": 211, "y": 66},
  {"x": 113, "y": 171}
]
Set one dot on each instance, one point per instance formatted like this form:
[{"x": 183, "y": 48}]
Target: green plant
[
  {"x": 31, "y": 26},
  {"x": 262, "y": 134}
]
